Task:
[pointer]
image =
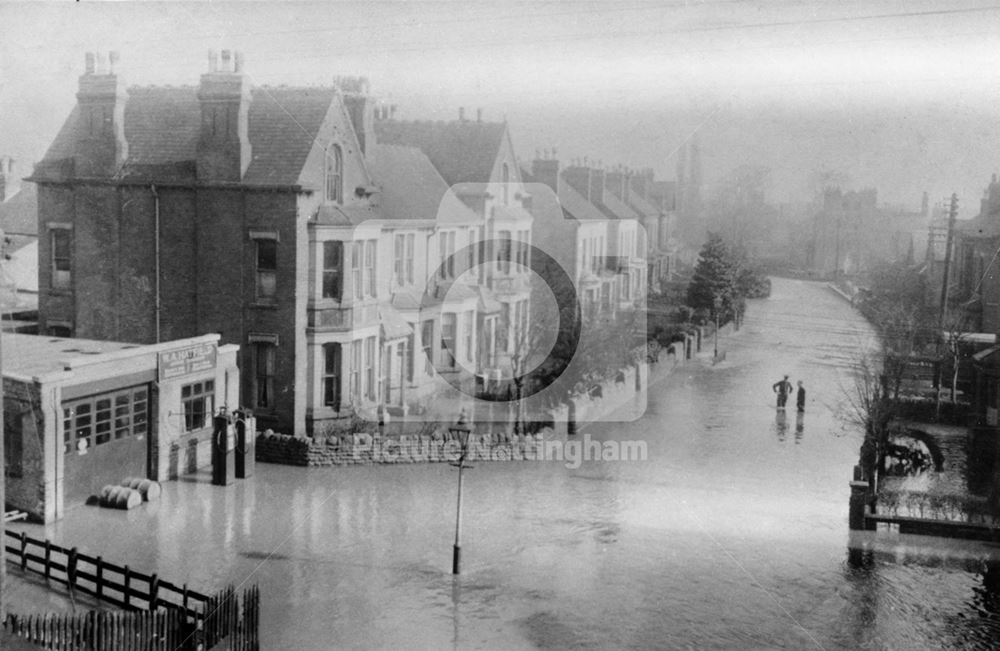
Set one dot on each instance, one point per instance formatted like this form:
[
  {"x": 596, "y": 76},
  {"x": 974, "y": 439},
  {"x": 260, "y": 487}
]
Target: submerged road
[{"x": 732, "y": 534}]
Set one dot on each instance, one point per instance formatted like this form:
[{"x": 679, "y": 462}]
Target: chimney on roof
[
  {"x": 224, "y": 142},
  {"x": 546, "y": 170},
  {"x": 578, "y": 177},
  {"x": 479, "y": 115},
  {"x": 461, "y": 114},
  {"x": 596, "y": 186},
  {"x": 101, "y": 147},
  {"x": 617, "y": 183},
  {"x": 360, "y": 106},
  {"x": 9, "y": 182}
]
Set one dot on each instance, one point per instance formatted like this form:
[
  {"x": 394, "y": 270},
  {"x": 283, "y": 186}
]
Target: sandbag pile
[
  {"x": 149, "y": 489},
  {"x": 119, "y": 497}
]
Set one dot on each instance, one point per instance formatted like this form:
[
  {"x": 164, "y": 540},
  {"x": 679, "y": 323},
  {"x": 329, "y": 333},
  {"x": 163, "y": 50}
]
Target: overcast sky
[{"x": 902, "y": 96}]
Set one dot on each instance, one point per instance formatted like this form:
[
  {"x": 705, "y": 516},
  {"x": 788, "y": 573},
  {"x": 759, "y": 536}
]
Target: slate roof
[
  {"x": 162, "y": 127},
  {"x": 641, "y": 206},
  {"x": 412, "y": 189},
  {"x": 616, "y": 208},
  {"x": 578, "y": 206},
  {"x": 19, "y": 214},
  {"x": 462, "y": 151}
]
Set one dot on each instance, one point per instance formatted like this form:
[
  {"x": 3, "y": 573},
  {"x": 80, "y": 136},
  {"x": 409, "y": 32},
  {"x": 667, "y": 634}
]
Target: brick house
[{"x": 273, "y": 217}]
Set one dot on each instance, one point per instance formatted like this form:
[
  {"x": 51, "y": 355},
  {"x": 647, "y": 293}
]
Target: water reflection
[
  {"x": 781, "y": 425},
  {"x": 799, "y": 426}
]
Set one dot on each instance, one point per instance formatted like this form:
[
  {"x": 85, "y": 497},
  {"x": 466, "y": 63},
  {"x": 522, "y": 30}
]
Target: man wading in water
[{"x": 782, "y": 388}]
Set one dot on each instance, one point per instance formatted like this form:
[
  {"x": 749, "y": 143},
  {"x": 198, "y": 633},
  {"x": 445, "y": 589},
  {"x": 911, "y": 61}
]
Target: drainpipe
[{"x": 156, "y": 256}]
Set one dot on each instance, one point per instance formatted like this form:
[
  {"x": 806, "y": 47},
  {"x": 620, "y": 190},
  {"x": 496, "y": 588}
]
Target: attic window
[{"x": 335, "y": 174}]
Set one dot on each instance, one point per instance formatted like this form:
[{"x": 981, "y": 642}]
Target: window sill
[{"x": 266, "y": 305}]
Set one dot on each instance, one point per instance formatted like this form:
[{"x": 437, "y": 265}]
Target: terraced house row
[{"x": 357, "y": 260}]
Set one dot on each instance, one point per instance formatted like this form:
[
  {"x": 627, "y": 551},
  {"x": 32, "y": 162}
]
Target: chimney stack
[
  {"x": 101, "y": 148},
  {"x": 546, "y": 170},
  {"x": 224, "y": 152},
  {"x": 360, "y": 106}
]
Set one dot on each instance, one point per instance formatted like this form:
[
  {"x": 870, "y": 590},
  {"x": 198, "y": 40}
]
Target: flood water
[{"x": 733, "y": 534}]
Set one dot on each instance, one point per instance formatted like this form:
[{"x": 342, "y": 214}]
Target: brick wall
[{"x": 25, "y": 454}]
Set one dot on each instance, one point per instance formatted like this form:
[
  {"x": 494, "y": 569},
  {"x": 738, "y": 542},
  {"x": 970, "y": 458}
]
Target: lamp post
[
  {"x": 462, "y": 430},
  {"x": 717, "y": 303}
]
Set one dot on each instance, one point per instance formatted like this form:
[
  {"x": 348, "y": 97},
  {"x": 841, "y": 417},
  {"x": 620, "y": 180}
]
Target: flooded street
[{"x": 733, "y": 534}]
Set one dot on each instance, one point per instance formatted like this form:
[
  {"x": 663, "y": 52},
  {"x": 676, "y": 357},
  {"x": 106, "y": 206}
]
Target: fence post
[
  {"x": 128, "y": 575},
  {"x": 48, "y": 558},
  {"x": 154, "y": 588},
  {"x": 99, "y": 577},
  {"x": 24, "y": 550},
  {"x": 856, "y": 511},
  {"x": 71, "y": 568}
]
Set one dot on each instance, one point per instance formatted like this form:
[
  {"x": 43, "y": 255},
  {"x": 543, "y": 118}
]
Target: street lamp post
[
  {"x": 717, "y": 303},
  {"x": 462, "y": 430}
]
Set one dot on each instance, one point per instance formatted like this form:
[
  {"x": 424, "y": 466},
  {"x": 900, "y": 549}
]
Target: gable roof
[
  {"x": 412, "y": 189},
  {"x": 462, "y": 151},
  {"x": 162, "y": 127},
  {"x": 616, "y": 208},
  {"x": 577, "y": 207}
]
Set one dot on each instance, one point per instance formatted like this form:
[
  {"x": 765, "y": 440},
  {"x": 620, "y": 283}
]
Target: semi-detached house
[{"x": 256, "y": 213}]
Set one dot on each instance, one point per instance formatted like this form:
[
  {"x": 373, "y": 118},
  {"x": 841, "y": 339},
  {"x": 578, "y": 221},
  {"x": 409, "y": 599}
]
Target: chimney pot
[
  {"x": 112, "y": 61},
  {"x": 88, "y": 63},
  {"x": 238, "y": 61},
  {"x": 479, "y": 115},
  {"x": 102, "y": 64},
  {"x": 461, "y": 114},
  {"x": 213, "y": 61},
  {"x": 226, "y": 61}
]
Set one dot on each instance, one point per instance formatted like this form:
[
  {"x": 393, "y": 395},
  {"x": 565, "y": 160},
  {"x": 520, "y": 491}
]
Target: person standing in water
[
  {"x": 800, "y": 398},
  {"x": 782, "y": 387}
]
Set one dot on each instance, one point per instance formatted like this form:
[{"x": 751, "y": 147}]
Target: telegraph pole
[{"x": 952, "y": 214}]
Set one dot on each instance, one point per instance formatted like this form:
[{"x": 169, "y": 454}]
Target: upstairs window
[
  {"x": 335, "y": 174},
  {"x": 504, "y": 253},
  {"x": 333, "y": 270},
  {"x": 357, "y": 253},
  {"x": 62, "y": 276},
  {"x": 447, "y": 248},
  {"x": 370, "y": 267},
  {"x": 267, "y": 268}
]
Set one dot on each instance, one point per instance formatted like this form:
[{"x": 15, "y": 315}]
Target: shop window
[
  {"x": 62, "y": 271},
  {"x": 333, "y": 270},
  {"x": 331, "y": 375},
  {"x": 267, "y": 268},
  {"x": 198, "y": 400},
  {"x": 263, "y": 374}
]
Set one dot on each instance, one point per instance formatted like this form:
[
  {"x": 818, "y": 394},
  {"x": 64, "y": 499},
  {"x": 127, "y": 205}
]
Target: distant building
[{"x": 18, "y": 248}]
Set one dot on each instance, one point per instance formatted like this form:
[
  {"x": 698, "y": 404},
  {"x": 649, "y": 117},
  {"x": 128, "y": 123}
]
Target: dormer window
[{"x": 335, "y": 174}]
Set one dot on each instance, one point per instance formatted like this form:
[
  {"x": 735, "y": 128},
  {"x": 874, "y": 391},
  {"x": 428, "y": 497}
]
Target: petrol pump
[{"x": 223, "y": 449}]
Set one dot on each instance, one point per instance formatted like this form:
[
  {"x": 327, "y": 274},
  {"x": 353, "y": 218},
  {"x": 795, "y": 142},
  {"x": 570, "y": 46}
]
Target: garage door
[{"x": 105, "y": 439}]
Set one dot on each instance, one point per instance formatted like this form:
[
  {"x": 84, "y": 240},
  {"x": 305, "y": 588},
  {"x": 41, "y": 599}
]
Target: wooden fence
[
  {"x": 222, "y": 617},
  {"x": 131, "y": 630}
]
